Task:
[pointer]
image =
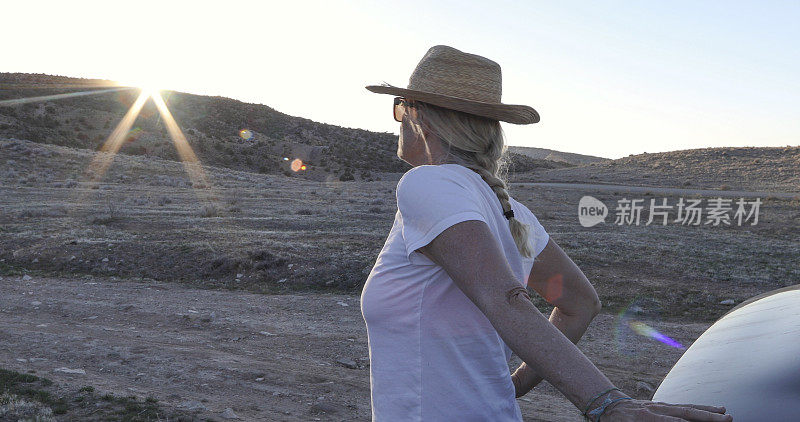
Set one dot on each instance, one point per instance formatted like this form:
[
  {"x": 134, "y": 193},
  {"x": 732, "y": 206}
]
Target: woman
[{"x": 446, "y": 302}]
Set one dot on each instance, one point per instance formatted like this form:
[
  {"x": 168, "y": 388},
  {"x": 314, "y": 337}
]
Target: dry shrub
[{"x": 209, "y": 210}]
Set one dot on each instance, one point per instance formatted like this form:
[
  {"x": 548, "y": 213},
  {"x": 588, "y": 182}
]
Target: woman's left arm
[{"x": 557, "y": 279}]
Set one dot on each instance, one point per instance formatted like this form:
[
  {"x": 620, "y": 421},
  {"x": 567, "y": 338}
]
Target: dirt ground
[
  {"x": 294, "y": 357},
  {"x": 256, "y": 303}
]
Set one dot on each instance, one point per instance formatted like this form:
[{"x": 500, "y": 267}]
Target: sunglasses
[{"x": 400, "y": 105}]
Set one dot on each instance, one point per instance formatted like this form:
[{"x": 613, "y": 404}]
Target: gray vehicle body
[{"x": 748, "y": 361}]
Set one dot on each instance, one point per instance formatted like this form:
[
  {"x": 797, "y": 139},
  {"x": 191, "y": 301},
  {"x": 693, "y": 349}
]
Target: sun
[
  {"x": 148, "y": 86},
  {"x": 150, "y": 90}
]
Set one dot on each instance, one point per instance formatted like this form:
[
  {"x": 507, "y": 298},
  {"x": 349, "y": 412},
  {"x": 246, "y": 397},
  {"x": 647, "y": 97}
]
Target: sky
[{"x": 608, "y": 78}]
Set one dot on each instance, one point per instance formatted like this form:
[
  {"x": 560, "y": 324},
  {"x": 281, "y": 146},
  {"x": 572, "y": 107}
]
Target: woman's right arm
[
  {"x": 473, "y": 259},
  {"x": 470, "y": 255},
  {"x": 573, "y": 326}
]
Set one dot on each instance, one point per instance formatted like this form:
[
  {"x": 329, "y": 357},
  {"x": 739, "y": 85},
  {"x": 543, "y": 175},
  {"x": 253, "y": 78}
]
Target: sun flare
[
  {"x": 101, "y": 162},
  {"x": 150, "y": 90},
  {"x": 148, "y": 87}
]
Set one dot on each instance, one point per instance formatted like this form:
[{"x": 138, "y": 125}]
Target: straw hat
[{"x": 452, "y": 79}]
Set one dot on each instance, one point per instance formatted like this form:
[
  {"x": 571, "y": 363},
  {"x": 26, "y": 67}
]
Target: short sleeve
[
  {"x": 537, "y": 235},
  {"x": 431, "y": 199}
]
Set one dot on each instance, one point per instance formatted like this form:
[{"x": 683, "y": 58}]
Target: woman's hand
[
  {"x": 518, "y": 391},
  {"x": 649, "y": 411},
  {"x": 524, "y": 378}
]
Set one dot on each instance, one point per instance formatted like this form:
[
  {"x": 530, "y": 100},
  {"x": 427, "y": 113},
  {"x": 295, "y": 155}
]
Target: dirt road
[{"x": 267, "y": 357}]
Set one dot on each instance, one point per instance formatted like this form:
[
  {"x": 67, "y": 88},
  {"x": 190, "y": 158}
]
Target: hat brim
[{"x": 511, "y": 113}]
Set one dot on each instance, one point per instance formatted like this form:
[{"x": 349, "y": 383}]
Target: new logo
[{"x": 591, "y": 211}]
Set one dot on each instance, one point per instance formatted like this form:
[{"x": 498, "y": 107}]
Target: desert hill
[
  {"x": 212, "y": 126},
  {"x": 558, "y": 156},
  {"x": 736, "y": 168}
]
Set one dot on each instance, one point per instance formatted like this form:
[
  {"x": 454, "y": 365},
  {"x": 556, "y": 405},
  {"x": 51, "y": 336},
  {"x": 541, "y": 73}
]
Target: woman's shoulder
[
  {"x": 413, "y": 172},
  {"x": 430, "y": 170},
  {"x": 431, "y": 175}
]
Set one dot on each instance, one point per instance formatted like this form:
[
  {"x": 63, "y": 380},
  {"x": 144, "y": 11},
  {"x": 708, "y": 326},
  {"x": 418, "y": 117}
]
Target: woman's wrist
[
  {"x": 617, "y": 402},
  {"x": 603, "y": 403}
]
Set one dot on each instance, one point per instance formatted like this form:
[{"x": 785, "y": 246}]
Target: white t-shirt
[{"x": 434, "y": 356}]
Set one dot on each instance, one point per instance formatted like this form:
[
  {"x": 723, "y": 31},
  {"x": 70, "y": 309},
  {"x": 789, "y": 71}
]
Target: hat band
[{"x": 457, "y": 89}]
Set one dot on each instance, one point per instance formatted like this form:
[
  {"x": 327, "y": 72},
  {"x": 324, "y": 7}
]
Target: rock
[
  {"x": 26, "y": 277},
  {"x": 36, "y": 303},
  {"x": 70, "y": 371},
  {"x": 239, "y": 275},
  {"x": 193, "y": 405},
  {"x": 322, "y": 407},
  {"x": 727, "y": 302},
  {"x": 105, "y": 259},
  {"x": 644, "y": 387},
  {"x": 266, "y": 333},
  {"x": 228, "y": 414},
  {"x": 342, "y": 304},
  {"x": 636, "y": 309},
  {"x": 210, "y": 317},
  {"x": 347, "y": 362}
]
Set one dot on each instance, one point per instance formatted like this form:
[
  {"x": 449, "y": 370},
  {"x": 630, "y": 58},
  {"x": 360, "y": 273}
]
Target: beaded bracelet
[
  {"x": 600, "y": 410},
  {"x": 596, "y": 397}
]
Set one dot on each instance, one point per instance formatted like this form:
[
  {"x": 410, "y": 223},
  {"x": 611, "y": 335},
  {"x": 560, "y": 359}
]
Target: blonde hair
[{"x": 477, "y": 143}]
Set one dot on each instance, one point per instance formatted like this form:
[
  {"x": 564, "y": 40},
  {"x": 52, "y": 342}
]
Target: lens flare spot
[
  {"x": 134, "y": 134},
  {"x": 303, "y": 167},
  {"x": 554, "y": 288},
  {"x": 630, "y": 330},
  {"x": 333, "y": 183},
  {"x": 645, "y": 330},
  {"x": 296, "y": 164},
  {"x": 285, "y": 158},
  {"x": 245, "y": 134}
]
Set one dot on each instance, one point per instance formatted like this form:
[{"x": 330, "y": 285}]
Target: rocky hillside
[
  {"x": 557, "y": 156},
  {"x": 746, "y": 168},
  {"x": 213, "y": 126}
]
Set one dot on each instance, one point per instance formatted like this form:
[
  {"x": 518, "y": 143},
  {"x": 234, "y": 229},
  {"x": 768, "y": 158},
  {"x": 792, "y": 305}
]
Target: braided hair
[{"x": 477, "y": 143}]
